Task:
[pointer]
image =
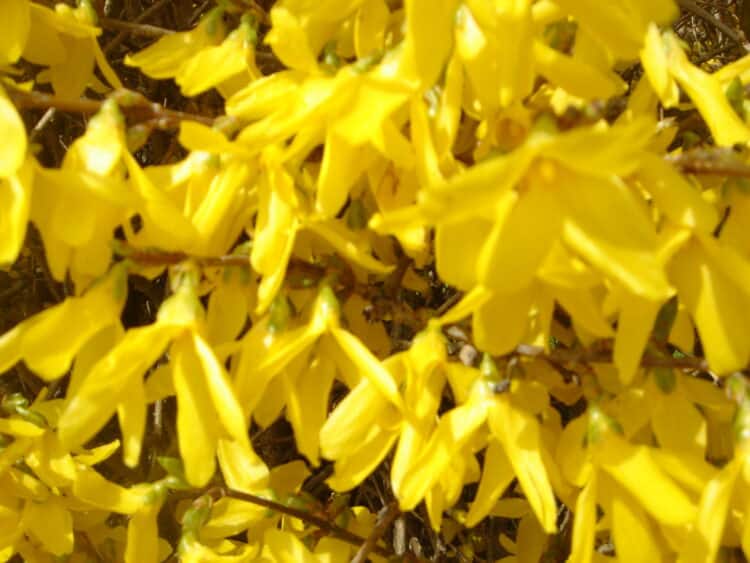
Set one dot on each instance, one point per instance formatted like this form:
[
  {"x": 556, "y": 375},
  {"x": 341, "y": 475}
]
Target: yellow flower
[
  {"x": 65, "y": 40},
  {"x": 298, "y": 366},
  {"x": 18, "y": 20},
  {"x": 667, "y": 65},
  {"x": 199, "y": 60},
  {"x": 16, "y": 178},
  {"x": 47, "y": 343},
  {"x": 201, "y": 384},
  {"x": 626, "y": 481}
]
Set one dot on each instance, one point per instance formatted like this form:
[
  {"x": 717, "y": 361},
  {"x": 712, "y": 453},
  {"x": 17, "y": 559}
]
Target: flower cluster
[{"x": 597, "y": 262}]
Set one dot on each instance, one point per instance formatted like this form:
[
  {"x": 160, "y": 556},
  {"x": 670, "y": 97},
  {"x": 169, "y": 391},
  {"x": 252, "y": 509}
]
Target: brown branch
[
  {"x": 329, "y": 527},
  {"x": 718, "y": 162},
  {"x": 120, "y": 37},
  {"x": 384, "y": 522},
  {"x": 135, "y": 28},
  {"x": 709, "y": 18},
  {"x": 605, "y": 355},
  {"x": 132, "y": 104},
  {"x": 149, "y": 257}
]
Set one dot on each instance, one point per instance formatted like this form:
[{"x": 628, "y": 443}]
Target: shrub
[{"x": 327, "y": 281}]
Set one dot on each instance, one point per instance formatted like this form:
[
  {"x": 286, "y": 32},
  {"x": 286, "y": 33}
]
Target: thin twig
[
  {"x": 385, "y": 521},
  {"x": 329, "y": 527},
  {"x": 719, "y": 162},
  {"x": 133, "y": 104},
  {"x": 709, "y": 18},
  {"x": 42, "y": 123},
  {"x": 588, "y": 356},
  {"x": 120, "y": 37},
  {"x": 135, "y": 28},
  {"x": 148, "y": 257}
]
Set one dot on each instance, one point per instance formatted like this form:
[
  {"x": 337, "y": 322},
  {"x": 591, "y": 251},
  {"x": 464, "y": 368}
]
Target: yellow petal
[
  {"x": 221, "y": 392},
  {"x": 457, "y": 247},
  {"x": 227, "y": 312},
  {"x": 574, "y": 76},
  {"x": 584, "y": 524},
  {"x": 211, "y": 66},
  {"x": 620, "y": 242},
  {"x": 71, "y": 77},
  {"x": 198, "y": 137},
  {"x": 242, "y": 468},
  {"x": 513, "y": 254},
  {"x": 615, "y": 150},
  {"x": 18, "y": 427},
  {"x": 51, "y": 524},
  {"x": 703, "y": 543},
  {"x": 50, "y": 345},
  {"x": 98, "y": 395},
  {"x": 707, "y": 94},
  {"x": 513, "y": 308},
  {"x": 429, "y": 24},
  {"x": 17, "y": 18},
  {"x": 454, "y": 430},
  {"x": 15, "y": 201},
  {"x": 675, "y": 196},
  {"x": 13, "y": 132},
  {"x": 95, "y": 490},
  {"x": 351, "y": 470},
  {"x": 345, "y": 243},
  {"x": 368, "y": 365},
  {"x": 718, "y": 308},
  {"x": 370, "y": 27},
  {"x": 342, "y": 165},
  {"x": 351, "y": 420},
  {"x": 289, "y": 41},
  {"x": 634, "y": 327},
  {"x": 656, "y": 64},
  {"x": 519, "y": 433},
  {"x": 143, "y": 536},
  {"x": 634, "y": 535},
  {"x": 496, "y": 476},
  {"x": 197, "y": 442},
  {"x": 284, "y": 547},
  {"x": 164, "y": 58},
  {"x": 131, "y": 413},
  {"x": 307, "y": 403},
  {"x": 531, "y": 540},
  {"x": 634, "y": 468}
]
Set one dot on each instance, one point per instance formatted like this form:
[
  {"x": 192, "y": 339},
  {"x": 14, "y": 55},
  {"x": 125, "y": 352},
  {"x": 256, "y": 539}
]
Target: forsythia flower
[
  {"x": 457, "y": 243},
  {"x": 16, "y": 177}
]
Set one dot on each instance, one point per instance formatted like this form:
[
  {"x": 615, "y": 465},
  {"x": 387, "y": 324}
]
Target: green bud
[
  {"x": 32, "y": 416},
  {"x": 328, "y": 303},
  {"x": 213, "y": 20},
  {"x": 356, "y": 215},
  {"x": 735, "y": 94},
  {"x": 488, "y": 368},
  {"x": 665, "y": 319},
  {"x": 330, "y": 57},
  {"x": 175, "y": 473},
  {"x": 664, "y": 379},
  {"x": 600, "y": 424},
  {"x": 156, "y": 494},
  {"x": 249, "y": 24},
  {"x": 742, "y": 423},
  {"x": 13, "y": 401},
  {"x": 736, "y": 387},
  {"x": 197, "y": 515},
  {"x": 279, "y": 314},
  {"x": 137, "y": 136},
  {"x": 367, "y": 62}
]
